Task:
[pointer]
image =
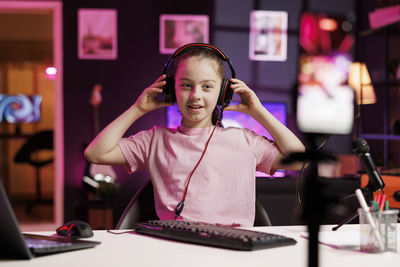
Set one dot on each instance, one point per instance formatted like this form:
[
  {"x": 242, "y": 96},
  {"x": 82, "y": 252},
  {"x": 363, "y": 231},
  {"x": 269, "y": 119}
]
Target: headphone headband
[
  {"x": 188, "y": 47},
  {"x": 225, "y": 94},
  {"x": 195, "y": 45}
]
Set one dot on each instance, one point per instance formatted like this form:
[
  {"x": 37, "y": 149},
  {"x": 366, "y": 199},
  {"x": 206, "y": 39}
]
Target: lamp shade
[{"x": 360, "y": 80}]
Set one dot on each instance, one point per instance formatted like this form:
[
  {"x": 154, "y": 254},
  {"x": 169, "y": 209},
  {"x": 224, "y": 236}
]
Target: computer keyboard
[{"x": 212, "y": 235}]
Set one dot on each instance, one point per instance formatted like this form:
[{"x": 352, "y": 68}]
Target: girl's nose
[{"x": 194, "y": 94}]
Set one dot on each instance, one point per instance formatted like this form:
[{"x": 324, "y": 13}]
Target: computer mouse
[{"x": 75, "y": 229}]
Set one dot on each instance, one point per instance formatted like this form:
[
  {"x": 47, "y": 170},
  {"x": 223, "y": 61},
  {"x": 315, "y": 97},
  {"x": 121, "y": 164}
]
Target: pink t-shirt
[{"x": 222, "y": 189}]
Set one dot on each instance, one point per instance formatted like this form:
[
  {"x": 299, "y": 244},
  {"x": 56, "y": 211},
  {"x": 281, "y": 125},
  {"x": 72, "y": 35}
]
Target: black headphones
[{"x": 225, "y": 94}]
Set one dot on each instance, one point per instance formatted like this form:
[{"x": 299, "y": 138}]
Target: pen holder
[{"x": 385, "y": 223}]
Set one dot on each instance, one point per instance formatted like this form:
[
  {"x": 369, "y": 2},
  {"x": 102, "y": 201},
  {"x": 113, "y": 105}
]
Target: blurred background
[{"x": 54, "y": 99}]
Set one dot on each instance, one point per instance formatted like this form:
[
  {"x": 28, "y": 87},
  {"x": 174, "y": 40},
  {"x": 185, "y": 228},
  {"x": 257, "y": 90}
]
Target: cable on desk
[{"x": 120, "y": 233}]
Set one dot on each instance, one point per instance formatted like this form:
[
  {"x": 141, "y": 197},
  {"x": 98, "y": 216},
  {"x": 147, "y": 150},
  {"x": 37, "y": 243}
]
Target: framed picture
[
  {"x": 97, "y": 33},
  {"x": 178, "y": 30},
  {"x": 268, "y": 35}
]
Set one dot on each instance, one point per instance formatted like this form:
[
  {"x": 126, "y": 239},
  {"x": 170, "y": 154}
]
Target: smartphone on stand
[{"x": 325, "y": 102}]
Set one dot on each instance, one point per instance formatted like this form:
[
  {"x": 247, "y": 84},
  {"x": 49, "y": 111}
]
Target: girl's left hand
[{"x": 249, "y": 100}]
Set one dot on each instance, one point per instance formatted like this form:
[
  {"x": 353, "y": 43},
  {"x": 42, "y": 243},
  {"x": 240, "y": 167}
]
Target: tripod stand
[
  {"x": 368, "y": 194},
  {"x": 375, "y": 182},
  {"x": 315, "y": 202}
]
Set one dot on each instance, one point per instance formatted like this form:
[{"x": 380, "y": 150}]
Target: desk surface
[{"x": 131, "y": 249}]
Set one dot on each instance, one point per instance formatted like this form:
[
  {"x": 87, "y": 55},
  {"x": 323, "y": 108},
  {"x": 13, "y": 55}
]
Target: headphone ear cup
[
  {"x": 229, "y": 94},
  {"x": 169, "y": 89},
  {"x": 222, "y": 92},
  {"x": 226, "y": 93}
]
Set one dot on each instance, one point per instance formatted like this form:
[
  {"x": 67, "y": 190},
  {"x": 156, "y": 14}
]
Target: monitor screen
[
  {"x": 237, "y": 119},
  {"x": 20, "y": 108},
  {"x": 240, "y": 120}
]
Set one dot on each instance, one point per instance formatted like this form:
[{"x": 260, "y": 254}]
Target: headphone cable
[
  {"x": 299, "y": 183},
  {"x": 179, "y": 207}
]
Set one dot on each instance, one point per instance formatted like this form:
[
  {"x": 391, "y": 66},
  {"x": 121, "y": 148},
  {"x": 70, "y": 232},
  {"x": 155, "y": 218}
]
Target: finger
[
  {"x": 158, "y": 84},
  {"x": 237, "y": 91},
  {"x": 162, "y": 77},
  {"x": 240, "y": 91},
  {"x": 238, "y": 82},
  {"x": 162, "y": 104},
  {"x": 231, "y": 108},
  {"x": 235, "y": 85},
  {"x": 235, "y": 80},
  {"x": 244, "y": 91},
  {"x": 158, "y": 80},
  {"x": 238, "y": 85},
  {"x": 154, "y": 90}
]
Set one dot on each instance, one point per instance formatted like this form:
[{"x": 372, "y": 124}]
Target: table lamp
[{"x": 360, "y": 80}]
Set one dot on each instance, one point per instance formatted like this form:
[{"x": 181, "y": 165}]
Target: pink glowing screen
[{"x": 237, "y": 119}]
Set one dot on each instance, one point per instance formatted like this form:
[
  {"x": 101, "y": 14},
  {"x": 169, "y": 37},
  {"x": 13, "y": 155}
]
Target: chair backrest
[
  {"x": 261, "y": 218},
  {"x": 40, "y": 141},
  {"x": 141, "y": 208}
]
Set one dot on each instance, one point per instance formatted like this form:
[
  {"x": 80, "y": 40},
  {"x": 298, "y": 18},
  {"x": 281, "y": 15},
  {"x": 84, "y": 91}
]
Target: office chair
[
  {"x": 141, "y": 208},
  {"x": 40, "y": 141}
]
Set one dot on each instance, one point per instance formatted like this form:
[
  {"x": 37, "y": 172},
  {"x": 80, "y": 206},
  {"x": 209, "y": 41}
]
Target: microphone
[{"x": 361, "y": 149}]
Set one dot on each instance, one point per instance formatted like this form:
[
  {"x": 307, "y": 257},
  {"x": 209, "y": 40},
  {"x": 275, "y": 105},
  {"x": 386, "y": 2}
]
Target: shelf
[
  {"x": 381, "y": 136},
  {"x": 393, "y": 30},
  {"x": 386, "y": 83},
  {"x": 386, "y": 34},
  {"x": 9, "y": 136}
]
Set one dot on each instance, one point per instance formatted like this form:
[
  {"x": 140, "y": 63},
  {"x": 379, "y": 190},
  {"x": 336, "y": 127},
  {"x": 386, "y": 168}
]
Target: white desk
[{"x": 138, "y": 250}]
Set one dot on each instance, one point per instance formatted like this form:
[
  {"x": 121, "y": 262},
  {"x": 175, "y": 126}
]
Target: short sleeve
[
  {"x": 135, "y": 149},
  {"x": 265, "y": 152}
]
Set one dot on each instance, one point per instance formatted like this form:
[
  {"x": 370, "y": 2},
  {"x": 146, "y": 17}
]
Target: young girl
[{"x": 200, "y": 172}]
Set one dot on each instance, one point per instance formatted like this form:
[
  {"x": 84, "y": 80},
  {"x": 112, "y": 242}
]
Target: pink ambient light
[{"x": 51, "y": 72}]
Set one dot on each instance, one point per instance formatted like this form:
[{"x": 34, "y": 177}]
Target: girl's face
[{"x": 197, "y": 86}]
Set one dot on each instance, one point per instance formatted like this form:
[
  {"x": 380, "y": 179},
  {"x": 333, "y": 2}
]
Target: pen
[
  {"x": 382, "y": 203},
  {"x": 375, "y": 206},
  {"x": 386, "y": 205},
  {"x": 377, "y": 198},
  {"x": 369, "y": 218}
]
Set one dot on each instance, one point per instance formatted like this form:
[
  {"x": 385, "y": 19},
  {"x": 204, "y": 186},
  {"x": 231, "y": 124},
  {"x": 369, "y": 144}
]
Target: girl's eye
[
  {"x": 208, "y": 87},
  {"x": 185, "y": 85}
]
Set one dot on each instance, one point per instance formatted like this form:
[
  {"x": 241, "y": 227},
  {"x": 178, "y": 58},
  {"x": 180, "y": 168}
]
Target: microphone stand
[
  {"x": 315, "y": 202},
  {"x": 375, "y": 182},
  {"x": 368, "y": 194}
]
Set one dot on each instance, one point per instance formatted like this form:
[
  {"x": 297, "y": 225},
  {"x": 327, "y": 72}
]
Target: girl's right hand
[{"x": 147, "y": 101}]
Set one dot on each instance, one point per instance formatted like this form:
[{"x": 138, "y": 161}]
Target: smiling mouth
[{"x": 195, "y": 106}]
